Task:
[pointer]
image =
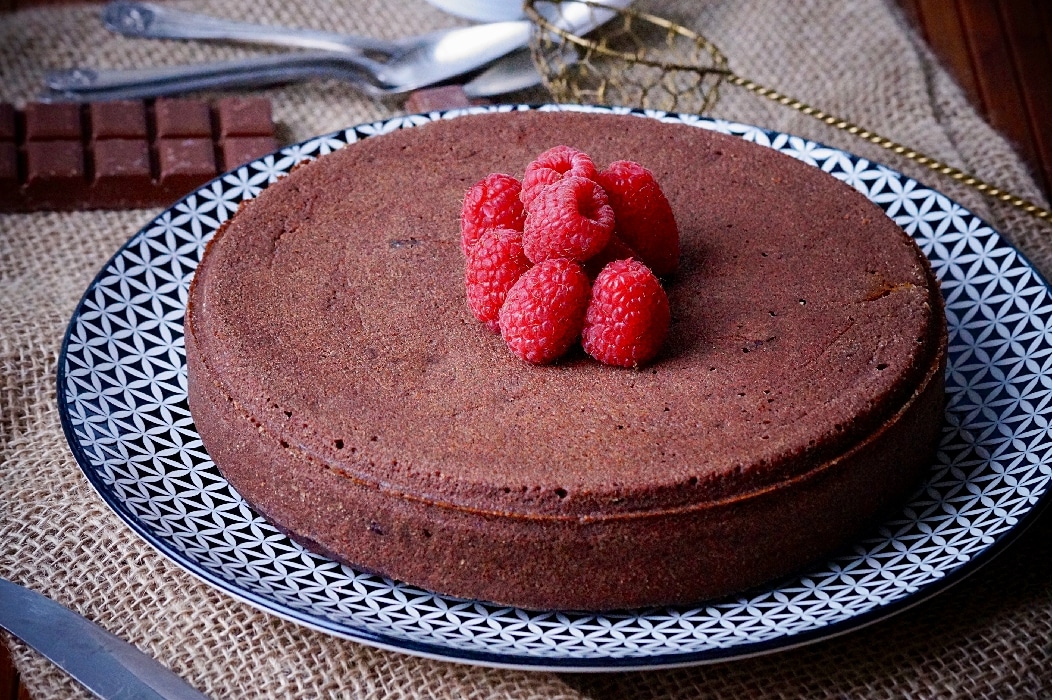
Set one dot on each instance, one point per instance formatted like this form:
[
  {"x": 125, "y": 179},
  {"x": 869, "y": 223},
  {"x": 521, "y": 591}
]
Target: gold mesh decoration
[{"x": 637, "y": 59}]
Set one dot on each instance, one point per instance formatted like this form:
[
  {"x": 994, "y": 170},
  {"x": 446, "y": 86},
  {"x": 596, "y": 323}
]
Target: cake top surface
[{"x": 331, "y": 309}]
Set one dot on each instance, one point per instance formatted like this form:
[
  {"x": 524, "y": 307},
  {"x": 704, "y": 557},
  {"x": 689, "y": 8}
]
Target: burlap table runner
[{"x": 990, "y": 636}]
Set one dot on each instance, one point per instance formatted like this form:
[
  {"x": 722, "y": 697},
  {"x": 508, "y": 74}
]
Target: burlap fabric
[{"x": 990, "y": 636}]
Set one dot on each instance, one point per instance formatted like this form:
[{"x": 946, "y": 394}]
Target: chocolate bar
[
  {"x": 124, "y": 154},
  {"x": 439, "y": 98}
]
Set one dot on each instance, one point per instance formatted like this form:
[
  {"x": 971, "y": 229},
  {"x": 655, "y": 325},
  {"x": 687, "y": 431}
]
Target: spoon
[
  {"x": 148, "y": 21},
  {"x": 508, "y": 74},
  {"x": 433, "y": 58},
  {"x": 145, "y": 20},
  {"x": 410, "y": 64}
]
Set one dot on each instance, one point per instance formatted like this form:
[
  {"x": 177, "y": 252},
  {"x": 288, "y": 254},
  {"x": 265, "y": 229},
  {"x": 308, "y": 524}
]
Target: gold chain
[{"x": 895, "y": 147}]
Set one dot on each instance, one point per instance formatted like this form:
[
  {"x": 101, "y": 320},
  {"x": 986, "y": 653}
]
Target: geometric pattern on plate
[{"x": 122, "y": 397}]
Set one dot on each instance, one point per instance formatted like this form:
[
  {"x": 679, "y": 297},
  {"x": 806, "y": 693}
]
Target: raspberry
[
  {"x": 628, "y": 316},
  {"x": 644, "y": 217},
  {"x": 494, "y": 264},
  {"x": 614, "y": 250},
  {"x": 552, "y": 166},
  {"x": 569, "y": 219},
  {"x": 492, "y": 202},
  {"x": 543, "y": 313}
]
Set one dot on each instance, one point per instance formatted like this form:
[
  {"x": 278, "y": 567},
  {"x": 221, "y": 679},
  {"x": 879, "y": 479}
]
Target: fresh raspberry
[
  {"x": 553, "y": 165},
  {"x": 614, "y": 250},
  {"x": 543, "y": 313},
  {"x": 492, "y": 202},
  {"x": 644, "y": 217},
  {"x": 494, "y": 264},
  {"x": 628, "y": 316},
  {"x": 569, "y": 219}
]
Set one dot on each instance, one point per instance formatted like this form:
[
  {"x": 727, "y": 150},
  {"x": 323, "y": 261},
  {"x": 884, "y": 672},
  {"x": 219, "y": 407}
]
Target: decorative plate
[{"x": 122, "y": 397}]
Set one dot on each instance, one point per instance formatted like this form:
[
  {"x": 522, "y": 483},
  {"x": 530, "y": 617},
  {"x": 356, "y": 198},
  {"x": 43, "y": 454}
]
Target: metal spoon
[
  {"x": 149, "y": 21},
  {"x": 145, "y": 20},
  {"x": 508, "y": 74},
  {"x": 431, "y": 59}
]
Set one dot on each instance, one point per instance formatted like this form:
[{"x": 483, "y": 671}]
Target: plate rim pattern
[{"x": 100, "y": 437}]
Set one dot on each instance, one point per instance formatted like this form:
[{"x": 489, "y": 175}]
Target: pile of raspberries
[{"x": 570, "y": 253}]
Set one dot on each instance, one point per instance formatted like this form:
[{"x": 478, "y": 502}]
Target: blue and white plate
[{"x": 122, "y": 396}]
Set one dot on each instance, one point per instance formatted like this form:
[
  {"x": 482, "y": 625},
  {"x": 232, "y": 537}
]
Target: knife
[{"x": 104, "y": 664}]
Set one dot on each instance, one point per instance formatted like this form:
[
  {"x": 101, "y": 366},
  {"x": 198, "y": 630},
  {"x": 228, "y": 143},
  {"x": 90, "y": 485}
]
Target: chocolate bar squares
[{"x": 124, "y": 154}]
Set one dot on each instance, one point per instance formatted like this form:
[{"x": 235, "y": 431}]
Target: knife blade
[{"x": 103, "y": 663}]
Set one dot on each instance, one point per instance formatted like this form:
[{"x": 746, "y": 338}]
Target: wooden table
[{"x": 999, "y": 51}]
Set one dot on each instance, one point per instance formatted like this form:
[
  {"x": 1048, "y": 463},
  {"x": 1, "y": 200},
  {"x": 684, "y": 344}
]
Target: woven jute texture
[{"x": 989, "y": 636}]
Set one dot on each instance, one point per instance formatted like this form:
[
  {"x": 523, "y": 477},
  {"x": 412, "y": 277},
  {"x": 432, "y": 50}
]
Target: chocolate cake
[{"x": 341, "y": 384}]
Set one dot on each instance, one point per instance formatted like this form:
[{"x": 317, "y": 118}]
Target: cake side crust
[
  {"x": 341, "y": 386},
  {"x": 606, "y": 562}
]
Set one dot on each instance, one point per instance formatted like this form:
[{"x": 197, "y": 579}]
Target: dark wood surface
[
  {"x": 999, "y": 51},
  {"x": 10, "y": 688}
]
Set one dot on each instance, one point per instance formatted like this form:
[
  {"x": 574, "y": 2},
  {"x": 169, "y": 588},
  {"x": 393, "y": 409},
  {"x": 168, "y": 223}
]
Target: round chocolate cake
[{"x": 341, "y": 384}]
